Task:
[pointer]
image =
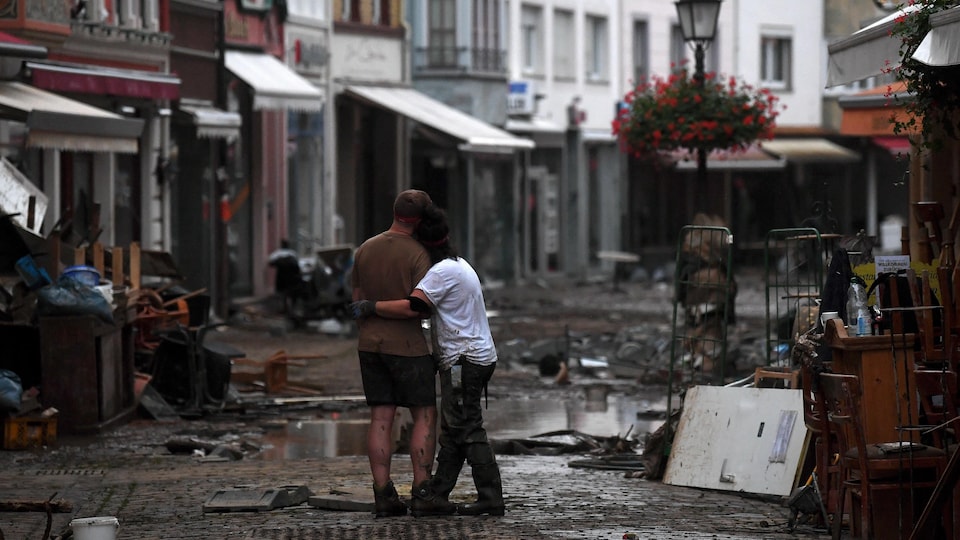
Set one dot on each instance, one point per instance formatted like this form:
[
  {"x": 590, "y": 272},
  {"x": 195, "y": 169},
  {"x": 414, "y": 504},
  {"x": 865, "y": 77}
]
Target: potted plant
[
  {"x": 932, "y": 93},
  {"x": 680, "y": 112}
]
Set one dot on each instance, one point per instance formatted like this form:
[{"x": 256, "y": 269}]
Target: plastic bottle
[{"x": 859, "y": 320}]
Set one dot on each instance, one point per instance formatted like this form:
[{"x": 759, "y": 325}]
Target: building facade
[{"x": 415, "y": 109}]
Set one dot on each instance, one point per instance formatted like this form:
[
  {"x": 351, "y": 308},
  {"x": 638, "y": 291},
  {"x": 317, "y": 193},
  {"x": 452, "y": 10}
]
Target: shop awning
[
  {"x": 941, "y": 45},
  {"x": 275, "y": 86},
  {"x": 475, "y": 134},
  {"x": 212, "y": 122},
  {"x": 54, "y": 121},
  {"x": 897, "y": 146},
  {"x": 867, "y": 52},
  {"x": 104, "y": 81},
  {"x": 870, "y": 113},
  {"x": 750, "y": 159},
  {"x": 803, "y": 151},
  {"x": 20, "y": 48},
  {"x": 532, "y": 125}
]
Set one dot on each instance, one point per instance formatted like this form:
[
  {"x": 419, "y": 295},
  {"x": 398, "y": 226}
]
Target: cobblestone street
[{"x": 128, "y": 472}]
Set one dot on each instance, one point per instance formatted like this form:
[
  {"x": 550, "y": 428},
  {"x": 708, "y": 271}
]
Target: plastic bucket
[
  {"x": 86, "y": 275},
  {"x": 95, "y": 528}
]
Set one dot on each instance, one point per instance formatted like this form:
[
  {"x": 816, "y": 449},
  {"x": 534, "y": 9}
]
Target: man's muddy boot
[
  {"x": 386, "y": 501},
  {"x": 486, "y": 476},
  {"x": 425, "y": 502}
]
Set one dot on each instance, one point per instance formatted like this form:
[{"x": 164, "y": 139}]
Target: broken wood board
[
  {"x": 344, "y": 500},
  {"x": 256, "y": 499},
  {"x": 18, "y": 194},
  {"x": 738, "y": 439}
]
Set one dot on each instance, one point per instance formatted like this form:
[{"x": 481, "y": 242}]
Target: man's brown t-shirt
[{"x": 388, "y": 267}]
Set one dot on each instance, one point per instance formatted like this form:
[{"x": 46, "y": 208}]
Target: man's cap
[{"x": 410, "y": 204}]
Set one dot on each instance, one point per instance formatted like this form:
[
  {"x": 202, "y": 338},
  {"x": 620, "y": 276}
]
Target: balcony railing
[{"x": 460, "y": 59}]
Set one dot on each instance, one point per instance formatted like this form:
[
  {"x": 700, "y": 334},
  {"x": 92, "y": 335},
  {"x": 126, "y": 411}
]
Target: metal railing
[{"x": 463, "y": 59}]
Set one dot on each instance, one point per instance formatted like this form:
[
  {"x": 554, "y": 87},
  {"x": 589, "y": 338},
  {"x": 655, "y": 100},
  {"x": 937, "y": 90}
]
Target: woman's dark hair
[{"x": 433, "y": 232}]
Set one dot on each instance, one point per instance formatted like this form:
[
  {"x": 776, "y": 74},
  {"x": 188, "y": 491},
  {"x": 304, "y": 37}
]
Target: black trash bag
[
  {"x": 70, "y": 297},
  {"x": 11, "y": 391}
]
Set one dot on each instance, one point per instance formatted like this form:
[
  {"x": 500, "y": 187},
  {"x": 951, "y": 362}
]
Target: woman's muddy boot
[
  {"x": 425, "y": 502},
  {"x": 489, "y": 492},
  {"x": 386, "y": 502},
  {"x": 449, "y": 465}
]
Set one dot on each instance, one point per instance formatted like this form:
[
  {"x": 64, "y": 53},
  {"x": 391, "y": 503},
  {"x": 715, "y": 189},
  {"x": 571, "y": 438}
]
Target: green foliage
[
  {"x": 681, "y": 113},
  {"x": 933, "y": 91}
]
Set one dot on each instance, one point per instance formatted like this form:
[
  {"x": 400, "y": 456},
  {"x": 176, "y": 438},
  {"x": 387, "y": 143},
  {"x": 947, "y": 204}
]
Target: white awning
[
  {"x": 941, "y": 45},
  {"x": 212, "y": 122},
  {"x": 867, "y": 52},
  {"x": 54, "y": 121},
  {"x": 532, "y": 125},
  {"x": 275, "y": 86},
  {"x": 809, "y": 151},
  {"x": 598, "y": 136},
  {"x": 750, "y": 159},
  {"x": 475, "y": 134}
]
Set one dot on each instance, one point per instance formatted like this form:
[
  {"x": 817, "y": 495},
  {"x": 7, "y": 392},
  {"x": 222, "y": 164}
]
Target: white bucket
[{"x": 95, "y": 528}]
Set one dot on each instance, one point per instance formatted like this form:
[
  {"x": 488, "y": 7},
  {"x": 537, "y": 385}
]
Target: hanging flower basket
[{"x": 665, "y": 115}]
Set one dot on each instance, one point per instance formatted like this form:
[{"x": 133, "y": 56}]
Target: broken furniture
[
  {"x": 886, "y": 364},
  {"x": 273, "y": 376},
  {"x": 887, "y": 480},
  {"x": 621, "y": 262},
  {"x": 781, "y": 377},
  {"x": 86, "y": 372},
  {"x": 823, "y": 439}
]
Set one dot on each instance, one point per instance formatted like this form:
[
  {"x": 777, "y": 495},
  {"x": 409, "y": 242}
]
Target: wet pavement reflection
[{"x": 601, "y": 414}]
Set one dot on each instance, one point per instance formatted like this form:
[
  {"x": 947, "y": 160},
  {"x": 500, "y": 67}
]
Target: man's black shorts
[{"x": 405, "y": 381}]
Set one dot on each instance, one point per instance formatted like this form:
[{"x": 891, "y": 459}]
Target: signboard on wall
[
  {"x": 520, "y": 99},
  {"x": 256, "y": 5}
]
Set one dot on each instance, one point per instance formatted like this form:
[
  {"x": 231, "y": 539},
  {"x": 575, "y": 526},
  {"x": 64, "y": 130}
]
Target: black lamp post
[{"x": 698, "y": 22}]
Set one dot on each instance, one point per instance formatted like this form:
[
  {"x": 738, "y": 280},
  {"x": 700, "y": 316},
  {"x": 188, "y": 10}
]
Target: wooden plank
[
  {"x": 98, "y": 257},
  {"x": 117, "y": 267},
  {"x": 134, "y": 265},
  {"x": 52, "y": 262},
  {"x": 79, "y": 255}
]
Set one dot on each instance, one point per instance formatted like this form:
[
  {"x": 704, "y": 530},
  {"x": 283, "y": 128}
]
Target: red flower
[{"x": 680, "y": 113}]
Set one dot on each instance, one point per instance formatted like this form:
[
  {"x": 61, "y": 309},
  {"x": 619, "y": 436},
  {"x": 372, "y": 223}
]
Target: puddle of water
[
  {"x": 606, "y": 417},
  {"x": 601, "y": 415}
]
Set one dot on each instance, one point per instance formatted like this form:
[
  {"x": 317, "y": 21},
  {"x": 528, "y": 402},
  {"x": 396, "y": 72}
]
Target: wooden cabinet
[
  {"x": 86, "y": 372},
  {"x": 885, "y": 367}
]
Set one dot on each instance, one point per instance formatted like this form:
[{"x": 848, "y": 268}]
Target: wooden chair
[
  {"x": 937, "y": 394},
  {"x": 824, "y": 442},
  {"x": 898, "y": 469},
  {"x": 775, "y": 377}
]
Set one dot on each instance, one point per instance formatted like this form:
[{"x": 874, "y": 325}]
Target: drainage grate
[
  {"x": 67, "y": 472},
  {"x": 408, "y": 529}
]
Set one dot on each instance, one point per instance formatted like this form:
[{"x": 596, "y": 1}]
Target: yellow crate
[{"x": 26, "y": 432}]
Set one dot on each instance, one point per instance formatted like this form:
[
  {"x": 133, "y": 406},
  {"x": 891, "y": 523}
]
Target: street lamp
[{"x": 698, "y": 23}]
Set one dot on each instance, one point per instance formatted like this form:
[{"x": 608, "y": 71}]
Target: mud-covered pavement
[{"x": 130, "y": 472}]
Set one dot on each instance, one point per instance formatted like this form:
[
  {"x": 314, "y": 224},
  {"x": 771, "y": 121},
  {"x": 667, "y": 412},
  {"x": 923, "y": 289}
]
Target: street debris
[{"x": 256, "y": 499}]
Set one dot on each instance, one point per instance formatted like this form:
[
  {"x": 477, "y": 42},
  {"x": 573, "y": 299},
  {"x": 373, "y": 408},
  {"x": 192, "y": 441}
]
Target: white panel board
[
  {"x": 15, "y": 193},
  {"x": 738, "y": 439}
]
